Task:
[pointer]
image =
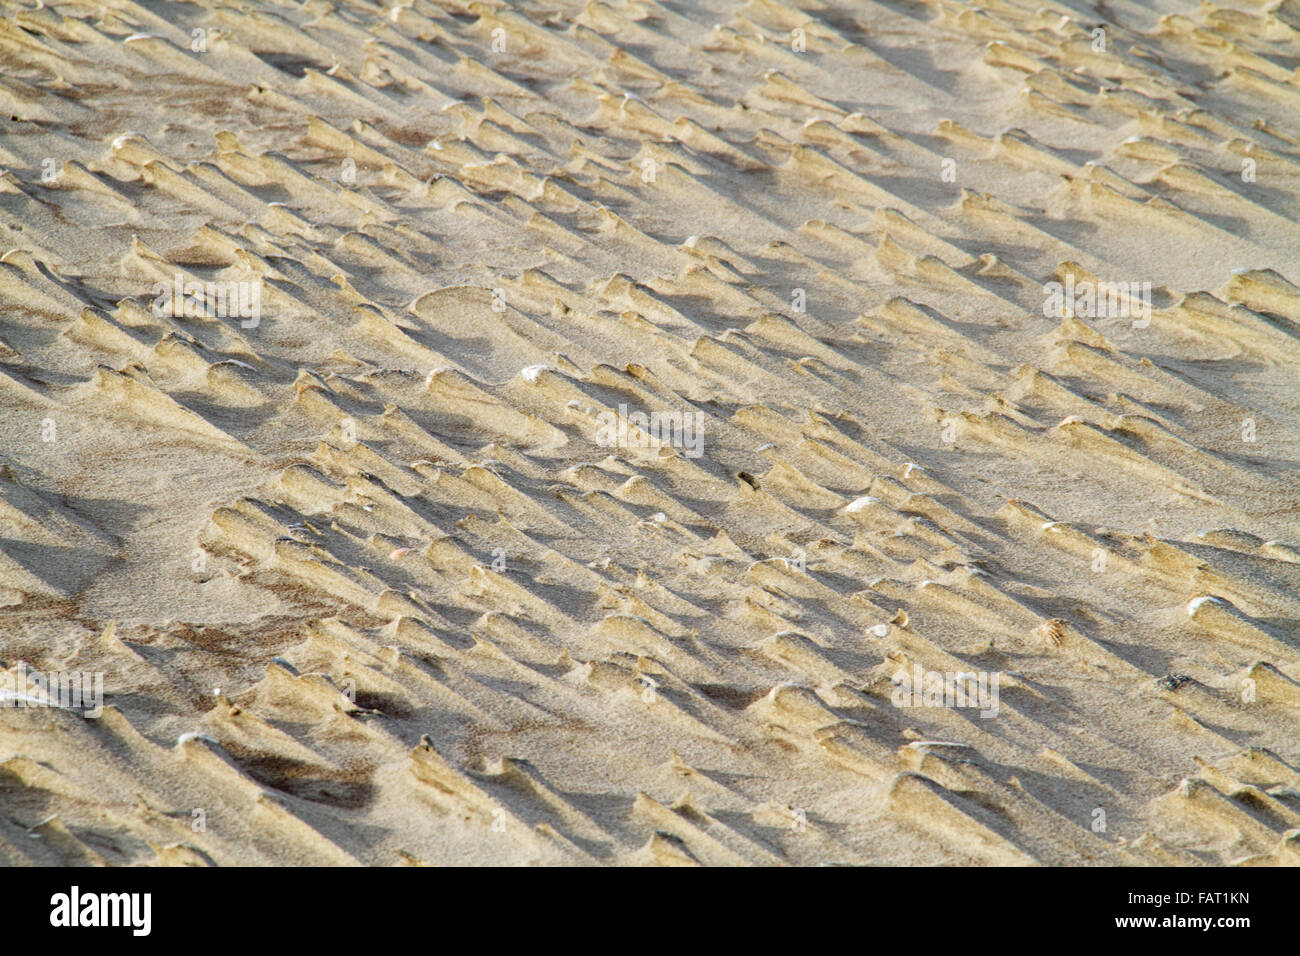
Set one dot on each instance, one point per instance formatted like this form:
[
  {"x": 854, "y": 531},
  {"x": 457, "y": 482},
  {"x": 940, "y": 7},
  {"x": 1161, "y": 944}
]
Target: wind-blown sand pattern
[{"x": 367, "y": 585}]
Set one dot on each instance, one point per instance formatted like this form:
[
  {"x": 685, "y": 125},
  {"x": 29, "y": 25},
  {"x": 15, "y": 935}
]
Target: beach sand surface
[{"x": 367, "y": 575}]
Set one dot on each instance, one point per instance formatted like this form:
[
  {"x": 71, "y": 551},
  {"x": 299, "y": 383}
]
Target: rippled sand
[{"x": 369, "y": 578}]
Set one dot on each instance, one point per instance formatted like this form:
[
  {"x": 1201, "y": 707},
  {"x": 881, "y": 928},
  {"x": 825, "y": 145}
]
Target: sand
[{"x": 597, "y": 415}]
